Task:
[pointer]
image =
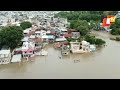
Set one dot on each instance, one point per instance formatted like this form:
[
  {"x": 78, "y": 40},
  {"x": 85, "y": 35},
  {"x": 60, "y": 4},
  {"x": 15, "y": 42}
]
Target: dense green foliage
[
  {"x": 11, "y": 36},
  {"x": 94, "y": 17},
  {"x": 117, "y": 39},
  {"x": 84, "y": 21},
  {"x": 85, "y": 15},
  {"x": 90, "y": 39},
  {"x": 115, "y": 31},
  {"x": 115, "y": 27},
  {"x": 99, "y": 41},
  {"x": 71, "y": 40},
  {"x": 26, "y": 25},
  {"x": 94, "y": 40},
  {"x": 81, "y": 25}
]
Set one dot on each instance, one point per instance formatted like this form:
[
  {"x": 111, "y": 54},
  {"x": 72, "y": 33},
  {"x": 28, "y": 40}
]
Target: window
[
  {"x": 30, "y": 51},
  {"x": 83, "y": 49},
  {"x": 80, "y": 47},
  {"x": 25, "y": 55}
]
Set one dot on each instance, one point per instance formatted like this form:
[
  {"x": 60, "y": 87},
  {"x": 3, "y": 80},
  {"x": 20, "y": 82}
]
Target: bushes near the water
[
  {"x": 94, "y": 40},
  {"x": 117, "y": 39}
]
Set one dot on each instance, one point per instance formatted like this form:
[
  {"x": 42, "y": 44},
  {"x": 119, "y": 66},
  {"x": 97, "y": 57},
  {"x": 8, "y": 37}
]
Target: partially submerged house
[
  {"x": 28, "y": 49},
  {"x": 43, "y": 52},
  {"x": 65, "y": 50},
  {"x": 17, "y": 51},
  {"x": 60, "y": 41},
  {"x": 5, "y": 56},
  {"x": 16, "y": 58},
  {"x": 80, "y": 47},
  {"x": 92, "y": 48}
]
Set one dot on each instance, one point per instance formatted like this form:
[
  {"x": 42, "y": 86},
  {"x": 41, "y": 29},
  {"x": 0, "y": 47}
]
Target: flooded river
[{"x": 104, "y": 63}]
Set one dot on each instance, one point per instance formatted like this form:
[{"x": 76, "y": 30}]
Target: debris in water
[
  {"x": 59, "y": 57},
  {"x": 75, "y": 61}
]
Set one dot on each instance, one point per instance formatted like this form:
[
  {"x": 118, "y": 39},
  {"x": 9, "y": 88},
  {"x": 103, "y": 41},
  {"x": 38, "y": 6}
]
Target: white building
[
  {"x": 28, "y": 49},
  {"x": 61, "y": 39},
  {"x": 81, "y": 47},
  {"x": 40, "y": 33},
  {"x": 16, "y": 58},
  {"x": 5, "y": 56}
]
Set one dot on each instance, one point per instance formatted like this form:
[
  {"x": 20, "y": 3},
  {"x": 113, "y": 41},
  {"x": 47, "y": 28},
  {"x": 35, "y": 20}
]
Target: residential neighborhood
[
  {"x": 50, "y": 41},
  {"x": 47, "y": 31}
]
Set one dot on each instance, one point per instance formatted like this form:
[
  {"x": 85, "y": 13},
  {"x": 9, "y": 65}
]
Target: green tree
[
  {"x": 117, "y": 23},
  {"x": 117, "y": 38},
  {"x": 90, "y": 39},
  {"x": 112, "y": 12},
  {"x": 82, "y": 26},
  {"x": 99, "y": 42},
  {"x": 69, "y": 40},
  {"x": 85, "y": 15},
  {"x": 25, "y": 25},
  {"x": 83, "y": 30},
  {"x": 11, "y": 36},
  {"x": 112, "y": 25},
  {"x": 72, "y": 24},
  {"x": 115, "y": 27},
  {"x": 94, "y": 40},
  {"x": 115, "y": 31}
]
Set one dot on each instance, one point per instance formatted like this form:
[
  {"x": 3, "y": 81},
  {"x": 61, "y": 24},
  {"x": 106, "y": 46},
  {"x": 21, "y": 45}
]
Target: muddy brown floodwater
[{"x": 104, "y": 63}]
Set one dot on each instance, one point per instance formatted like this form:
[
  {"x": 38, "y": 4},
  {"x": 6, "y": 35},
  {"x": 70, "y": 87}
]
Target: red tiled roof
[
  {"x": 72, "y": 30},
  {"x": 50, "y": 33},
  {"x": 64, "y": 43},
  {"x": 59, "y": 44},
  {"x": 67, "y": 35}
]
